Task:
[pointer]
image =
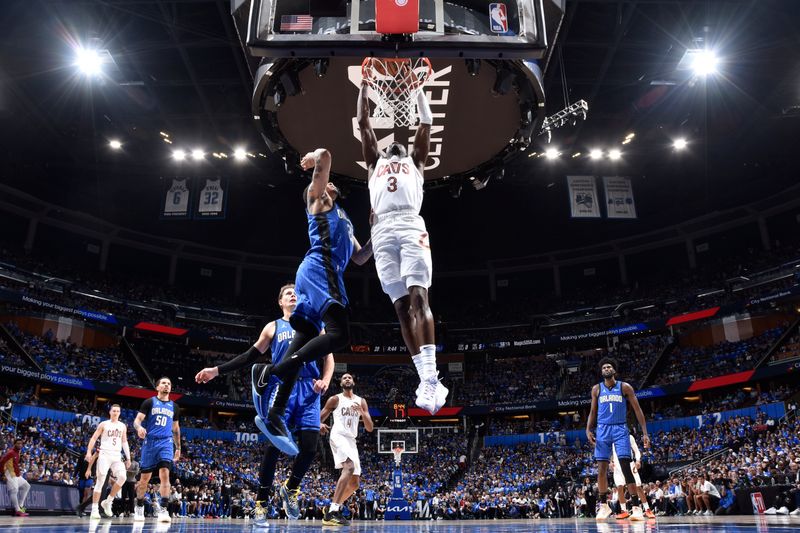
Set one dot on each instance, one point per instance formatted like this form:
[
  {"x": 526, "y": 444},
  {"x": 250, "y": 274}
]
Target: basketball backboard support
[{"x": 454, "y": 28}]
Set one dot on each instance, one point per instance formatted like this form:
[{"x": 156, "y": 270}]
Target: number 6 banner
[
  {"x": 211, "y": 199},
  {"x": 176, "y": 199}
]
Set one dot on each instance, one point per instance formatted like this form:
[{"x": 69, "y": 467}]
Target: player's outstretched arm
[
  {"x": 242, "y": 360},
  {"x": 361, "y": 254},
  {"x": 629, "y": 393},
  {"x": 422, "y": 139},
  {"x": 591, "y": 422},
  {"x": 330, "y": 405},
  {"x": 320, "y": 161},
  {"x": 365, "y": 416},
  {"x": 369, "y": 143},
  {"x": 321, "y": 385}
]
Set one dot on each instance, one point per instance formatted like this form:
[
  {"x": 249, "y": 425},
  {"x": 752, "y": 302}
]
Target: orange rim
[{"x": 367, "y": 67}]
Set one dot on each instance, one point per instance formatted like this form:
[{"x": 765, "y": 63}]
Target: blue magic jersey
[
  {"x": 331, "y": 238},
  {"x": 160, "y": 416},
  {"x": 280, "y": 345},
  {"x": 612, "y": 405}
]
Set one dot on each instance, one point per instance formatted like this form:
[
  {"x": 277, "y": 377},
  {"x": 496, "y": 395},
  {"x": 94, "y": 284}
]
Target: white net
[
  {"x": 398, "y": 455},
  {"x": 396, "y": 83}
]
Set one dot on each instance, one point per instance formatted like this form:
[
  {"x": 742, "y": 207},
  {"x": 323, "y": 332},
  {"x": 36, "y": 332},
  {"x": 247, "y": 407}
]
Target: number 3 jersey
[
  {"x": 345, "y": 417},
  {"x": 159, "y": 417},
  {"x": 395, "y": 185}
]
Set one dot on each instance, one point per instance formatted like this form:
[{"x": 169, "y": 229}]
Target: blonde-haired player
[
  {"x": 113, "y": 436},
  {"x": 619, "y": 481},
  {"x": 400, "y": 242},
  {"x": 347, "y": 409}
]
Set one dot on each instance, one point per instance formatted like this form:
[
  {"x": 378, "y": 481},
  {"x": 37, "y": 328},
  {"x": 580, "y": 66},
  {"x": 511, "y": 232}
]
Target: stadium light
[
  {"x": 115, "y": 144},
  {"x": 197, "y": 154},
  {"x": 178, "y": 155},
  {"x": 88, "y": 62},
  {"x": 596, "y": 154},
  {"x": 705, "y": 63},
  {"x": 551, "y": 153},
  {"x": 240, "y": 154},
  {"x": 614, "y": 155},
  {"x": 679, "y": 144}
]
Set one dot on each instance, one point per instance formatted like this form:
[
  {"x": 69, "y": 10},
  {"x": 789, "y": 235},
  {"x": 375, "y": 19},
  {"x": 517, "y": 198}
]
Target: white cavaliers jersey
[
  {"x": 345, "y": 418},
  {"x": 111, "y": 438},
  {"x": 395, "y": 185},
  {"x": 177, "y": 200},
  {"x": 211, "y": 197}
]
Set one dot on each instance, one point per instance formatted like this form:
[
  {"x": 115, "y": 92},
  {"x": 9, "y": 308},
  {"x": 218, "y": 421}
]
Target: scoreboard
[{"x": 398, "y": 415}]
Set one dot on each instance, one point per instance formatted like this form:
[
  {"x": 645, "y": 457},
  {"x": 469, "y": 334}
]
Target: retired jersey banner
[
  {"x": 176, "y": 199},
  {"x": 583, "y": 199},
  {"x": 619, "y": 198},
  {"x": 212, "y": 195}
]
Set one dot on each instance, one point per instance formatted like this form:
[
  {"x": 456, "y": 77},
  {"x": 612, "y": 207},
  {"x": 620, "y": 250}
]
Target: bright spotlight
[
  {"x": 614, "y": 154},
  {"x": 197, "y": 154},
  {"x": 240, "y": 154},
  {"x": 705, "y": 63},
  {"x": 551, "y": 153},
  {"x": 89, "y": 62},
  {"x": 596, "y": 154},
  {"x": 679, "y": 144},
  {"x": 179, "y": 155},
  {"x": 115, "y": 144}
]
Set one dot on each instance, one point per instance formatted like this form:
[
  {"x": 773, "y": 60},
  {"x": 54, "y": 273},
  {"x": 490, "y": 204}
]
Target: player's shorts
[
  {"x": 84, "y": 483},
  {"x": 619, "y": 477},
  {"x": 156, "y": 453},
  {"x": 113, "y": 462},
  {"x": 344, "y": 448},
  {"x": 317, "y": 287},
  {"x": 402, "y": 252},
  {"x": 608, "y": 435},
  {"x": 302, "y": 409}
]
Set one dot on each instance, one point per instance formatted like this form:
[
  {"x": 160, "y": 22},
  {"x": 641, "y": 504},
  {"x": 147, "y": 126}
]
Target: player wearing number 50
[
  {"x": 347, "y": 409},
  {"x": 113, "y": 436},
  {"x": 400, "y": 241},
  {"x": 157, "y": 424}
]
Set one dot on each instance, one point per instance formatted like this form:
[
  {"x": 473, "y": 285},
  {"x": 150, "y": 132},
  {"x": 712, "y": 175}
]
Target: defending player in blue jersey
[
  {"x": 302, "y": 410},
  {"x": 321, "y": 295},
  {"x": 157, "y": 423},
  {"x": 609, "y": 413}
]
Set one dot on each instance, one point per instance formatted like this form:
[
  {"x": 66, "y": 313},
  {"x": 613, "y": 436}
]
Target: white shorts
[
  {"x": 113, "y": 462},
  {"x": 344, "y": 448},
  {"x": 619, "y": 477},
  {"x": 402, "y": 251},
  {"x": 15, "y": 482}
]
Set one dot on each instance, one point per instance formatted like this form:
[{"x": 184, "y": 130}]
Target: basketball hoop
[
  {"x": 396, "y": 83},
  {"x": 398, "y": 454}
]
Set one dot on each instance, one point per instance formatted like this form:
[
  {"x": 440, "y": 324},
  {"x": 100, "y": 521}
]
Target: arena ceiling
[{"x": 176, "y": 67}]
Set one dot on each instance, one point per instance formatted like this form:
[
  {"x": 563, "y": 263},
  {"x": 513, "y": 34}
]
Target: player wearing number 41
[
  {"x": 347, "y": 409},
  {"x": 157, "y": 423},
  {"x": 113, "y": 436},
  {"x": 609, "y": 411},
  {"x": 400, "y": 241}
]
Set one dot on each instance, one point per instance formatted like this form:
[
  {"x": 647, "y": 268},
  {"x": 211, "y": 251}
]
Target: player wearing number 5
[
  {"x": 400, "y": 241},
  {"x": 157, "y": 424},
  {"x": 113, "y": 436}
]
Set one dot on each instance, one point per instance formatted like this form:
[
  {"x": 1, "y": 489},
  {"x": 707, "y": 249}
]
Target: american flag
[{"x": 296, "y": 22}]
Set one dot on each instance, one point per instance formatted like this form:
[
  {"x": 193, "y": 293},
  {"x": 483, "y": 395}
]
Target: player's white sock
[
  {"x": 419, "y": 364},
  {"x": 646, "y": 506},
  {"x": 428, "y": 356},
  {"x": 334, "y": 507},
  {"x": 95, "y": 506}
]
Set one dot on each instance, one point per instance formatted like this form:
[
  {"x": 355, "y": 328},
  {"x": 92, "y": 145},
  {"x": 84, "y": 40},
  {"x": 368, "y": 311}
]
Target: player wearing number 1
[
  {"x": 157, "y": 423},
  {"x": 400, "y": 241}
]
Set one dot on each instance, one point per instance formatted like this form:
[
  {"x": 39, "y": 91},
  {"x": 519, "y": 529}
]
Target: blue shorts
[
  {"x": 84, "y": 484},
  {"x": 302, "y": 409},
  {"x": 316, "y": 291},
  {"x": 155, "y": 451},
  {"x": 612, "y": 434}
]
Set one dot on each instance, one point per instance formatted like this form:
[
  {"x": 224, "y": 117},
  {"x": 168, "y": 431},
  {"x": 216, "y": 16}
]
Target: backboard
[{"x": 389, "y": 439}]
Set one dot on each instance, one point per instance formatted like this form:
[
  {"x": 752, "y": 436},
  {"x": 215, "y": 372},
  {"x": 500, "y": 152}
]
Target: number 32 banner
[{"x": 212, "y": 196}]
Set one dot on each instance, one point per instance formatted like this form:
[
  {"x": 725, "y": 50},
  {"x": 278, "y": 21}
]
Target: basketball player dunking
[
  {"x": 113, "y": 436},
  {"x": 302, "y": 409},
  {"x": 609, "y": 412},
  {"x": 347, "y": 409},
  {"x": 161, "y": 431},
  {"x": 400, "y": 241},
  {"x": 321, "y": 295}
]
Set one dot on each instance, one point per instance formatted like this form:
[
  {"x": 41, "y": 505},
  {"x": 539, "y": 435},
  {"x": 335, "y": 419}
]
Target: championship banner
[
  {"x": 176, "y": 199},
  {"x": 583, "y": 199},
  {"x": 619, "y": 198},
  {"x": 212, "y": 197}
]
